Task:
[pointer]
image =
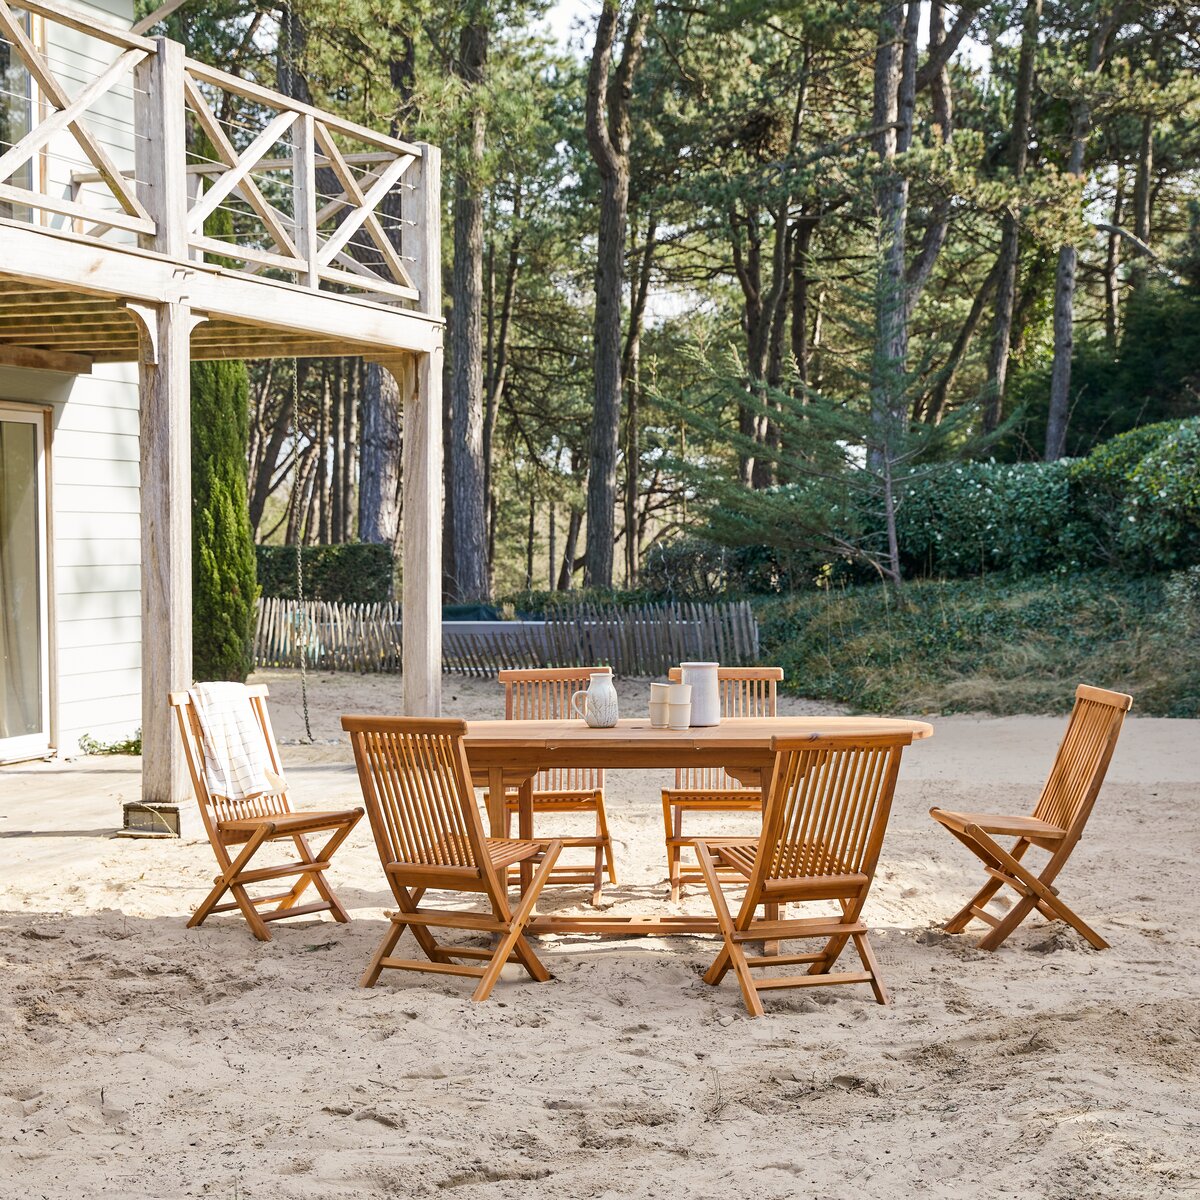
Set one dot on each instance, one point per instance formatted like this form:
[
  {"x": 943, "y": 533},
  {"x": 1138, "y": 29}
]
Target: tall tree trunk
[
  {"x": 338, "y": 446},
  {"x": 1112, "y": 267},
  {"x": 551, "y": 544},
  {"x": 1006, "y": 283},
  {"x": 497, "y": 373},
  {"x": 1068, "y": 258},
  {"x": 631, "y": 372},
  {"x": 1142, "y": 191},
  {"x": 322, "y": 486},
  {"x": 530, "y": 537},
  {"x": 935, "y": 409},
  {"x": 802, "y": 231},
  {"x": 942, "y": 105},
  {"x": 894, "y": 99},
  {"x": 350, "y": 433},
  {"x": 567, "y": 571},
  {"x": 470, "y": 579},
  {"x": 379, "y": 456},
  {"x": 608, "y": 134},
  {"x": 448, "y": 588}
]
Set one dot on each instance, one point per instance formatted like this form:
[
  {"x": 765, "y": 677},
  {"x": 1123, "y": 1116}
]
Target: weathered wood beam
[
  {"x": 65, "y": 323},
  {"x": 419, "y": 379},
  {"x": 54, "y": 92},
  {"x": 166, "y": 550},
  {"x": 63, "y": 260},
  {"x": 85, "y": 20},
  {"x": 422, "y": 466},
  {"x": 33, "y": 358},
  {"x": 14, "y": 306},
  {"x": 161, "y": 13}
]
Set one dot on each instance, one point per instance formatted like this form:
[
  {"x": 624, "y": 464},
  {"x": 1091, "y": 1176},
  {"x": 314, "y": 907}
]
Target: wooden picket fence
[{"x": 646, "y": 640}]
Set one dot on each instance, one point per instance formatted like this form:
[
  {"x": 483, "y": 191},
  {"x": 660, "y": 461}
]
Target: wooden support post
[
  {"x": 164, "y": 373},
  {"x": 421, "y": 513},
  {"x": 161, "y": 151},
  {"x": 304, "y": 180},
  {"x": 166, "y": 483},
  {"x": 421, "y": 529}
]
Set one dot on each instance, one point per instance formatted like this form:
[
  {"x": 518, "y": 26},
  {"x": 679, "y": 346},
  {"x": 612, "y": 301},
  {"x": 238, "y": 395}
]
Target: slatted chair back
[
  {"x": 417, "y": 786},
  {"x": 1082, "y": 761},
  {"x": 215, "y": 808},
  {"x": 745, "y": 692},
  {"x": 544, "y": 694},
  {"x": 828, "y": 807}
]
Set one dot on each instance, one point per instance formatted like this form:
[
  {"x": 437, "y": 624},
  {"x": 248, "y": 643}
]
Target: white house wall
[{"x": 95, "y": 553}]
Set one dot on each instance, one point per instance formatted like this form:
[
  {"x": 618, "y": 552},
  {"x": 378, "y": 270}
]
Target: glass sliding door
[{"x": 24, "y": 627}]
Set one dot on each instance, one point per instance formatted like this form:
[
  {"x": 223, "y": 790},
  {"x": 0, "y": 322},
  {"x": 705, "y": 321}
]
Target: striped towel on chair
[{"x": 235, "y": 751}]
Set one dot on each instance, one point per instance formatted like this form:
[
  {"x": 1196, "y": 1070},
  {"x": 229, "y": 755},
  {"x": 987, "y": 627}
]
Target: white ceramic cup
[
  {"x": 659, "y": 703},
  {"x": 679, "y": 704}
]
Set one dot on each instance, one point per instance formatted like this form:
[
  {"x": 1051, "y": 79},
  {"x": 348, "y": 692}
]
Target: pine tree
[{"x": 224, "y": 583}]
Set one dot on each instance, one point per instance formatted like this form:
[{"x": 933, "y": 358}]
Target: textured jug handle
[{"x": 575, "y": 697}]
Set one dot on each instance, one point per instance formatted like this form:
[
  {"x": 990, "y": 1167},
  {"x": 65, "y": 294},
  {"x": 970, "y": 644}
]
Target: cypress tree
[{"x": 224, "y": 582}]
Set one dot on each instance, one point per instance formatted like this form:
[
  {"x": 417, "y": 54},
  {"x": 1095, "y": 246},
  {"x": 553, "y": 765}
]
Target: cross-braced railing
[{"x": 123, "y": 136}]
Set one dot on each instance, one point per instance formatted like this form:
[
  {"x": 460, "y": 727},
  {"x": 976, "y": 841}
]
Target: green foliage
[
  {"x": 982, "y": 517},
  {"x": 1152, "y": 375},
  {"x": 694, "y": 568},
  {"x": 1162, "y": 503},
  {"x": 129, "y": 745},
  {"x": 1000, "y": 645},
  {"x": 347, "y": 573},
  {"x": 1133, "y": 503},
  {"x": 223, "y": 576}
]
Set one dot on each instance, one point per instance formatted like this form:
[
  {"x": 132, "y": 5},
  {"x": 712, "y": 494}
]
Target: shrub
[
  {"x": 224, "y": 589},
  {"x": 1160, "y": 526},
  {"x": 346, "y": 573},
  {"x": 1134, "y": 502},
  {"x": 1000, "y": 645},
  {"x": 984, "y": 517}
]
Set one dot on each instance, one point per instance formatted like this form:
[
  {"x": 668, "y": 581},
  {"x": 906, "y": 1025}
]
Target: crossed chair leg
[
  {"x": 735, "y": 934},
  {"x": 508, "y": 923},
  {"x": 1004, "y": 867},
  {"x": 310, "y": 867}
]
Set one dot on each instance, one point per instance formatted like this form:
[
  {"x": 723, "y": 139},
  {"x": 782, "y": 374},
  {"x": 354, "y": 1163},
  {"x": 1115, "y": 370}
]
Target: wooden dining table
[{"x": 506, "y": 755}]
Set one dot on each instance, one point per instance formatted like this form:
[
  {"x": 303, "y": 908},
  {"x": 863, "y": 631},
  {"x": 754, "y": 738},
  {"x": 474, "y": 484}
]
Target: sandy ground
[{"x": 140, "y": 1059}]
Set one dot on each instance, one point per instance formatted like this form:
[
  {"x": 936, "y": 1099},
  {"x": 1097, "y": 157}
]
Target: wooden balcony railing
[{"x": 131, "y": 141}]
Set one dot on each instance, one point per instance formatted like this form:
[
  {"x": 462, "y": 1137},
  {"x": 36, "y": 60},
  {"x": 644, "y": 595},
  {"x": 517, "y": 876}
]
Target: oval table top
[{"x": 637, "y": 734}]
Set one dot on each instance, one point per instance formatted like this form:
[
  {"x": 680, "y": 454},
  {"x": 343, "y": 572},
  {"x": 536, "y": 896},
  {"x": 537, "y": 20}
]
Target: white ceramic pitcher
[
  {"x": 598, "y": 704},
  {"x": 706, "y": 692}
]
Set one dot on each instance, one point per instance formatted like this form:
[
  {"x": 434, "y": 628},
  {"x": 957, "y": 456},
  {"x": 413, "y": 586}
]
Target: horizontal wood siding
[{"x": 94, "y": 522}]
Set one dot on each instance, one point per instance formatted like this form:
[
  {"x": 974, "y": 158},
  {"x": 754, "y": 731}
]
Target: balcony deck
[{"x": 333, "y": 231}]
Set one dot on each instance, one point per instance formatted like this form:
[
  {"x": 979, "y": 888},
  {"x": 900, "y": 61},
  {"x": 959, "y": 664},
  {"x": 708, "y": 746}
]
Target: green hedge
[
  {"x": 1001, "y": 644},
  {"x": 1134, "y": 503},
  {"x": 350, "y": 572}
]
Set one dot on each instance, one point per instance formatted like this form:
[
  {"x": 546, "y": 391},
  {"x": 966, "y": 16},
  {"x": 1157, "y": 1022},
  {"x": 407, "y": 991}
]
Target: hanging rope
[{"x": 301, "y": 615}]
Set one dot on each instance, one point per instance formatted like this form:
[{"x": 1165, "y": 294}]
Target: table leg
[
  {"x": 496, "y": 801},
  {"x": 525, "y": 828}
]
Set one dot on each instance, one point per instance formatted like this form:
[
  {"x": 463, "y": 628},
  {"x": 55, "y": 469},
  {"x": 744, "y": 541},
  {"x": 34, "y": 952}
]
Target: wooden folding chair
[
  {"x": 253, "y": 823},
  {"x": 822, "y": 830},
  {"x": 417, "y": 786},
  {"x": 1056, "y": 825},
  {"x": 745, "y": 692},
  {"x": 531, "y": 695}
]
